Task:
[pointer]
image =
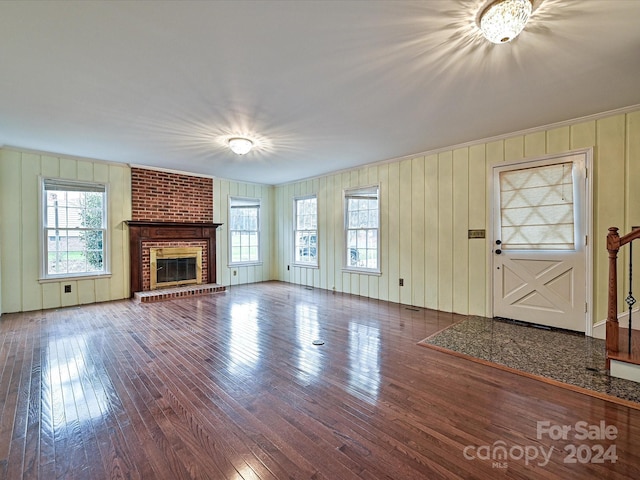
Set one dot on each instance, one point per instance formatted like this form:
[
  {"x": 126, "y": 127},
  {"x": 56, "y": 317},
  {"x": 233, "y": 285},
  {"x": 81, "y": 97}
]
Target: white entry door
[{"x": 539, "y": 241}]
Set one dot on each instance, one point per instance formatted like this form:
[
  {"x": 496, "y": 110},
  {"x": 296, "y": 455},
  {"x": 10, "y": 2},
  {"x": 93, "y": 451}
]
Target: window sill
[
  {"x": 362, "y": 271},
  {"x": 68, "y": 278},
  {"x": 244, "y": 264},
  {"x": 305, "y": 265}
]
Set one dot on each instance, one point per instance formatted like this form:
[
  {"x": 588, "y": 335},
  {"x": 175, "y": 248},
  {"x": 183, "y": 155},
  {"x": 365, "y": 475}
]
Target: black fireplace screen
[{"x": 176, "y": 269}]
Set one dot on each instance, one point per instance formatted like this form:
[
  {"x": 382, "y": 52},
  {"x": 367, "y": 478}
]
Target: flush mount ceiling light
[
  {"x": 240, "y": 145},
  {"x": 503, "y": 20}
]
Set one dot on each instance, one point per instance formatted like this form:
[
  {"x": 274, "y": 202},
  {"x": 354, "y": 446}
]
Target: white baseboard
[
  {"x": 599, "y": 329},
  {"x": 625, "y": 370}
]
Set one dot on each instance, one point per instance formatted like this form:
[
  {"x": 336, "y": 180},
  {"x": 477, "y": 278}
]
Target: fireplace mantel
[{"x": 141, "y": 231}]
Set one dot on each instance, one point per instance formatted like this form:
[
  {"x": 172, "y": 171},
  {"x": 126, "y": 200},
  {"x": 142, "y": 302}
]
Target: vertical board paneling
[
  {"x": 374, "y": 280},
  {"x": 30, "y": 206},
  {"x": 349, "y": 285},
  {"x": 417, "y": 281},
  {"x": 394, "y": 231},
  {"x": 583, "y": 135},
  {"x": 11, "y": 243},
  {"x": 445, "y": 231},
  {"x": 385, "y": 196},
  {"x": 220, "y": 212},
  {"x": 85, "y": 171},
  {"x": 535, "y": 144},
  {"x": 633, "y": 172},
  {"x": 632, "y": 200},
  {"x": 431, "y": 238},
  {"x": 424, "y": 215},
  {"x": 558, "y": 140},
  {"x": 478, "y": 255},
  {"x": 460, "y": 241},
  {"x": 101, "y": 286},
  {"x": 86, "y": 291},
  {"x": 315, "y": 272},
  {"x": 338, "y": 232},
  {"x": 323, "y": 255},
  {"x": 68, "y": 299},
  {"x": 609, "y": 178},
  {"x": 514, "y": 148},
  {"x": 495, "y": 152},
  {"x": 22, "y": 250},
  {"x": 68, "y": 168},
  {"x": 117, "y": 193},
  {"x": 363, "y": 280},
  {"x": 51, "y": 166},
  {"x": 51, "y": 295},
  {"x": 405, "y": 194}
]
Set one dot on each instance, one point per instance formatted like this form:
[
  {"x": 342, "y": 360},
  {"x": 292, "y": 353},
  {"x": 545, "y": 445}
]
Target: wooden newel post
[{"x": 613, "y": 245}]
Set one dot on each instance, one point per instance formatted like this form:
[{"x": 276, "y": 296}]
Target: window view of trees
[{"x": 74, "y": 229}]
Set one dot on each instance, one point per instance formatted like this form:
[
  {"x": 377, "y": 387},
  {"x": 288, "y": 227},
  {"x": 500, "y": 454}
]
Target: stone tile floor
[{"x": 563, "y": 356}]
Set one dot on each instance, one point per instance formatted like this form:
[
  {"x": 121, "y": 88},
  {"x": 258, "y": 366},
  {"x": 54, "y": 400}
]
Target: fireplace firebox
[
  {"x": 170, "y": 232},
  {"x": 175, "y": 266}
]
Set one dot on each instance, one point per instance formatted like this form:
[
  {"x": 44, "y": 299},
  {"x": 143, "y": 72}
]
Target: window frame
[
  {"x": 72, "y": 185},
  {"x": 346, "y": 194},
  {"x": 248, "y": 202},
  {"x": 299, "y": 263}
]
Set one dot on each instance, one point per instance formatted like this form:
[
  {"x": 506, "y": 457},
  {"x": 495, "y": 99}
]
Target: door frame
[{"x": 587, "y": 219}]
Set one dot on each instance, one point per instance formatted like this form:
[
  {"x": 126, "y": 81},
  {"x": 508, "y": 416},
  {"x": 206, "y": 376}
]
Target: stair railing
[{"x": 614, "y": 243}]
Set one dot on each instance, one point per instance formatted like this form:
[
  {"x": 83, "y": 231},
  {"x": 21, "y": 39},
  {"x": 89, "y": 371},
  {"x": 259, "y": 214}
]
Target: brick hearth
[{"x": 178, "y": 292}]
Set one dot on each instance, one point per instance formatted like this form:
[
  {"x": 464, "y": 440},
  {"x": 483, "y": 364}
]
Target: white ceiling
[{"x": 319, "y": 85}]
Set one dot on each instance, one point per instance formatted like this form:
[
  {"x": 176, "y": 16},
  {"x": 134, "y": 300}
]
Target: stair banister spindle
[{"x": 613, "y": 245}]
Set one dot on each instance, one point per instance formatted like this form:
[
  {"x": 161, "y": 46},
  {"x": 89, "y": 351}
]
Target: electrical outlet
[
  {"x": 67, "y": 289},
  {"x": 402, "y": 282},
  {"x": 235, "y": 272}
]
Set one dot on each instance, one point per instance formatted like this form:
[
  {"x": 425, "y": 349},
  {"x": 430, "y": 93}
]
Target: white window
[
  {"x": 244, "y": 230},
  {"x": 74, "y": 228},
  {"x": 362, "y": 220},
  {"x": 305, "y": 235},
  {"x": 536, "y": 208}
]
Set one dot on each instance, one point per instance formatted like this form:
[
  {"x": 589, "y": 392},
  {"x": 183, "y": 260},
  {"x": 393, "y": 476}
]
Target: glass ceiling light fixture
[
  {"x": 503, "y": 20},
  {"x": 240, "y": 145}
]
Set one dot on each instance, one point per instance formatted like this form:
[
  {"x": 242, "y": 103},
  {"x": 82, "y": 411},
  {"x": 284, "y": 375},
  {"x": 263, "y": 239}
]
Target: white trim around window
[
  {"x": 362, "y": 230},
  {"x": 305, "y": 231},
  {"x": 75, "y": 238},
  {"x": 245, "y": 242}
]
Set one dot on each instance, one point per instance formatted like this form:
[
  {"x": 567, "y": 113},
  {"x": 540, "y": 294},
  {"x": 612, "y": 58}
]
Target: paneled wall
[
  {"x": 428, "y": 203},
  {"x": 236, "y": 275},
  {"x": 20, "y": 231}
]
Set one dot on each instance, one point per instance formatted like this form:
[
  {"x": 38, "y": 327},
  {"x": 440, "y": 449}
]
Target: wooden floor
[{"x": 230, "y": 386}]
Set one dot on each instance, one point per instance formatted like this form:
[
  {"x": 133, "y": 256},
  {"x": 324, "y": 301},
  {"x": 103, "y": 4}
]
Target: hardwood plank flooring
[{"x": 230, "y": 386}]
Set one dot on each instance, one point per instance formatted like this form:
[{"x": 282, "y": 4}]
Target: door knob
[
  {"x": 498, "y": 242},
  {"x": 498, "y": 251}
]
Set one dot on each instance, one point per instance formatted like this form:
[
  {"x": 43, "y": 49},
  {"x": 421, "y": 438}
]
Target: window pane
[
  {"x": 536, "y": 207},
  {"x": 74, "y": 227},
  {"x": 305, "y": 234},
  {"x": 362, "y": 227},
  {"x": 244, "y": 221}
]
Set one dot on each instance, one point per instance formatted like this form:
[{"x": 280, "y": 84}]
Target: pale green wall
[
  {"x": 428, "y": 204},
  {"x": 222, "y": 190},
  {"x": 20, "y": 231}
]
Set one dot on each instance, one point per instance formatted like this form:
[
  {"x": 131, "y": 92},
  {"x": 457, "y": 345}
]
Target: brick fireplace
[{"x": 172, "y": 212}]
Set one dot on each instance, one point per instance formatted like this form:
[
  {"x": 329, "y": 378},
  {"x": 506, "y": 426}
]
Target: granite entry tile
[{"x": 566, "y": 357}]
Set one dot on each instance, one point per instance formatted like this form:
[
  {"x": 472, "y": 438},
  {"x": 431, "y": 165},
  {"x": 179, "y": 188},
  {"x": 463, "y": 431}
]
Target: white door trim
[{"x": 588, "y": 227}]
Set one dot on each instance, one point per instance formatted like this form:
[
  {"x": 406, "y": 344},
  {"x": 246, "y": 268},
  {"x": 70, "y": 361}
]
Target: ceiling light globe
[
  {"x": 240, "y": 146},
  {"x": 503, "y": 20}
]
